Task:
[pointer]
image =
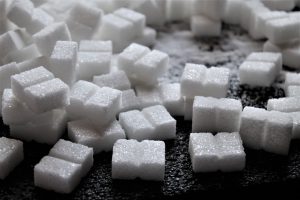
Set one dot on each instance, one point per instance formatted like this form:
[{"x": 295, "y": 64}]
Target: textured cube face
[
  {"x": 6, "y": 71},
  {"x": 172, "y": 99},
  {"x": 149, "y": 96},
  {"x": 287, "y": 104},
  {"x": 129, "y": 101},
  {"x": 95, "y": 46},
  {"x": 275, "y": 58},
  {"x": 117, "y": 80},
  {"x": 132, "y": 159}
]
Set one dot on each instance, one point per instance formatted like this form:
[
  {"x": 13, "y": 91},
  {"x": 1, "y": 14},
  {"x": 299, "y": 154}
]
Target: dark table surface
[{"x": 264, "y": 171}]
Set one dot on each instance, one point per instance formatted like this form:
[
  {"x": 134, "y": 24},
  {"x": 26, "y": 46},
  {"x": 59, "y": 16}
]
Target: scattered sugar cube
[
  {"x": 171, "y": 98},
  {"x": 204, "y": 152},
  {"x": 282, "y": 30},
  {"x": 203, "y": 26},
  {"x": 178, "y": 10},
  {"x": 105, "y": 103},
  {"x": 291, "y": 55},
  {"x": 63, "y": 61},
  {"x": 80, "y": 92},
  {"x": 47, "y": 37},
  {"x": 75, "y": 153},
  {"x": 20, "y": 12},
  {"x": 275, "y": 58},
  {"x": 6, "y": 71},
  {"x": 232, "y": 11},
  {"x": 138, "y": 19},
  {"x": 117, "y": 80},
  {"x": 93, "y": 63},
  {"x": 40, "y": 19},
  {"x": 210, "y": 8},
  {"x": 231, "y": 152},
  {"x": 292, "y": 91},
  {"x": 216, "y": 115},
  {"x": 83, "y": 132},
  {"x": 163, "y": 123},
  {"x": 197, "y": 80},
  {"x": 136, "y": 125},
  {"x": 11, "y": 154},
  {"x": 46, "y": 129},
  {"x": 188, "y": 108},
  {"x": 131, "y": 159},
  {"x": 149, "y": 96},
  {"x": 116, "y": 28},
  {"x": 286, "y": 5},
  {"x": 79, "y": 31},
  {"x": 292, "y": 79},
  {"x": 9, "y": 42},
  {"x": 151, "y": 66},
  {"x": 129, "y": 101},
  {"x": 23, "y": 54},
  {"x": 257, "y": 73},
  {"x": 148, "y": 37},
  {"x": 95, "y": 46},
  {"x": 56, "y": 174},
  {"x": 287, "y": 104},
  {"x": 29, "y": 78},
  {"x": 86, "y": 14},
  {"x": 34, "y": 63}
]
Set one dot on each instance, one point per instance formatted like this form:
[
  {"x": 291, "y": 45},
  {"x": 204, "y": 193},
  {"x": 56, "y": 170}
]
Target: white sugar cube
[
  {"x": 203, "y": 26},
  {"x": 47, "y": 37},
  {"x": 292, "y": 79},
  {"x": 105, "y": 103},
  {"x": 116, "y": 28},
  {"x": 232, "y": 11},
  {"x": 149, "y": 96},
  {"x": 80, "y": 92},
  {"x": 11, "y": 154},
  {"x": 75, "y": 153},
  {"x": 210, "y": 8},
  {"x": 197, "y": 80},
  {"x": 23, "y": 54},
  {"x": 117, "y": 80},
  {"x": 47, "y": 96},
  {"x": 275, "y": 58},
  {"x": 163, "y": 123},
  {"x": 138, "y": 19},
  {"x": 63, "y": 61},
  {"x": 231, "y": 152},
  {"x": 86, "y": 14},
  {"x": 95, "y": 46},
  {"x": 296, "y": 124},
  {"x": 257, "y": 73},
  {"x": 252, "y": 130},
  {"x": 270, "y": 47},
  {"x": 29, "y": 78},
  {"x": 34, "y": 63},
  {"x": 83, "y": 132},
  {"x": 40, "y": 19},
  {"x": 20, "y": 12},
  {"x": 286, "y": 5},
  {"x": 6, "y": 71},
  {"x": 136, "y": 125},
  {"x": 129, "y": 101},
  {"x": 116, "y": 4},
  {"x": 178, "y": 10},
  {"x": 46, "y": 129},
  {"x": 79, "y": 31},
  {"x": 172, "y": 99},
  {"x": 291, "y": 54},
  {"x": 292, "y": 91},
  {"x": 204, "y": 152},
  {"x": 148, "y": 37},
  {"x": 129, "y": 56},
  {"x": 57, "y": 175},
  {"x": 9, "y": 42},
  {"x": 287, "y": 104},
  {"x": 282, "y": 30},
  {"x": 92, "y": 64},
  {"x": 216, "y": 115},
  {"x": 151, "y": 66},
  {"x": 188, "y": 108},
  {"x": 131, "y": 159}
]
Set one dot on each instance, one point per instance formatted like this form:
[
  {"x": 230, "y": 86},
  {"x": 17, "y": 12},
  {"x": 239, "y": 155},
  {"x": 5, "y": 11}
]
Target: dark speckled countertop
[{"x": 264, "y": 171}]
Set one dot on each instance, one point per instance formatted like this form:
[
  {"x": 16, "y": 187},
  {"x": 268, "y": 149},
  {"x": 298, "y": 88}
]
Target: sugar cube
[
  {"x": 178, "y": 10},
  {"x": 105, "y": 103},
  {"x": 9, "y": 42},
  {"x": 138, "y": 19},
  {"x": 210, "y": 8},
  {"x": 75, "y": 153},
  {"x": 129, "y": 101},
  {"x": 117, "y": 80},
  {"x": 20, "y": 12},
  {"x": 257, "y": 73},
  {"x": 171, "y": 98},
  {"x": 79, "y": 31},
  {"x": 47, "y": 96},
  {"x": 93, "y": 63},
  {"x": 292, "y": 91},
  {"x": 46, "y": 38},
  {"x": 84, "y": 132},
  {"x": 80, "y": 92},
  {"x": 63, "y": 61},
  {"x": 291, "y": 53},
  {"x": 148, "y": 37},
  {"x": 6, "y": 71},
  {"x": 286, "y": 5},
  {"x": 286, "y": 104},
  {"x": 232, "y": 11},
  {"x": 132, "y": 159},
  {"x": 29, "y": 78},
  {"x": 56, "y": 174},
  {"x": 136, "y": 125},
  {"x": 40, "y": 19},
  {"x": 275, "y": 58},
  {"x": 95, "y": 46},
  {"x": 34, "y": 63},
  {"x": 203, "y": 26},
  {"x": 149, "y": 96},
  {"x": 23, "y": 54},
  {"x": 11, "y": 154},
  {"x": 292, "y": 79}
]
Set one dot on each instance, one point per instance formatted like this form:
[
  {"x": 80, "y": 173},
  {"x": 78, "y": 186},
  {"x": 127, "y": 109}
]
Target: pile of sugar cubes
[{"x": 87, "y": 67}]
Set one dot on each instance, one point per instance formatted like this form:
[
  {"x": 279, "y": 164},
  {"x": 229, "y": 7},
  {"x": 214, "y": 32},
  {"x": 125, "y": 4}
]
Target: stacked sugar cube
[{"x": 62, "y": 170}]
